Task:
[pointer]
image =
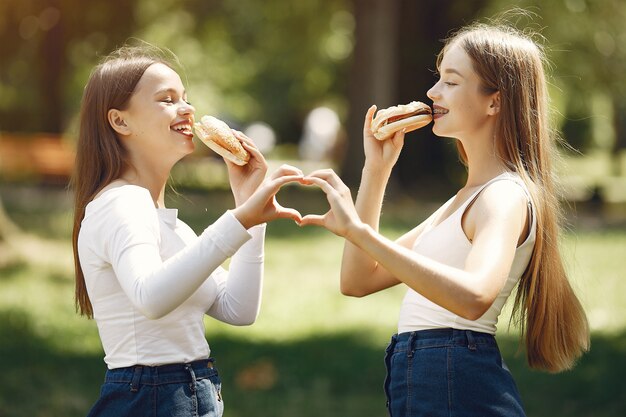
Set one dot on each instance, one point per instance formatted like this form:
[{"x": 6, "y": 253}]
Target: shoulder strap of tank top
[{"x": 504, "y": 177}]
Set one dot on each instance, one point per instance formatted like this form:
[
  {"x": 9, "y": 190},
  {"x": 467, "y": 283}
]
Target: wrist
[
  {"x": 243, "y": 216},
  {"x": 376, "y": 172},
  {"x": 239, "y": 198},
  {"x": 357, "y": 231},
  {"x": 374, "y": 180}
]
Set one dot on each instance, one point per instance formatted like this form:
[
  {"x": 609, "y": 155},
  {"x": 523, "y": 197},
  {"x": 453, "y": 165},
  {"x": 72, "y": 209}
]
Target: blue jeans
[
  {"x": 175, "y": 390},
  {"x": 451, "y": 373}
]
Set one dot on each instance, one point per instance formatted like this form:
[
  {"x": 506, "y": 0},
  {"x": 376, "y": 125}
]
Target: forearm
[
  {"x": 239, "y": 300},
  {"x": 156, "y": 288},
  {"x": 371, "y": 194},
  {"x": 454, "y": 289},
  {"x": 357, "y": 266}
]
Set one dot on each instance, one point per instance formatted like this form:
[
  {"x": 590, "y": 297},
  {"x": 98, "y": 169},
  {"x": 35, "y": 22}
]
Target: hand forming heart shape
[
  {"x": 262, "y": 205},
  {"x": 305, "y": 198}
]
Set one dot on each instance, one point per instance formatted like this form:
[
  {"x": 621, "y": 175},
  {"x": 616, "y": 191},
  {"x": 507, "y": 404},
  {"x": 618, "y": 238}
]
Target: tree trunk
[
  {"x": 52, "y": 50},
  {"x": 372, "y": 75}
]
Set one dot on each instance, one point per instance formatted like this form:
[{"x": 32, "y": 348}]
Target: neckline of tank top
[{"x": 512, "y": 175}]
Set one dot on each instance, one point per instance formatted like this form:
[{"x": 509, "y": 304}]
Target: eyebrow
[
  {"x": 169, "y": 91},
  {"x": 453, "y": 71}
]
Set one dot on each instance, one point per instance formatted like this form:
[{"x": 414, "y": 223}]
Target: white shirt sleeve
[
  {"x": 239, "y": 290},
  {"x": 157, "y": 287}
]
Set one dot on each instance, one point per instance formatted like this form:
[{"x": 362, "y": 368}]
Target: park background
[{"x": 296, "y": 75}]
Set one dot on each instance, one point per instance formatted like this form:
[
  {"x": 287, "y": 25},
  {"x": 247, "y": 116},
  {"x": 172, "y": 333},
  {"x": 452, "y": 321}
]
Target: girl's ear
[
  {"x": 494, "y": 105},
  {"x": 117, "y": 122}
]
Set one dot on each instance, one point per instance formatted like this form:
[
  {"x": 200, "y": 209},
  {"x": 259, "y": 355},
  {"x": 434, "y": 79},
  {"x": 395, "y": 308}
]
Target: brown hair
[
  {"x": 553, "y": 323},
  {"x": 100, "y": 156}
]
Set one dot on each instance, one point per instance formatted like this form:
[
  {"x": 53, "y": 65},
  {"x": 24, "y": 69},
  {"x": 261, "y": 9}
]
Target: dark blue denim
[
  {"x": 175, "y": 390},
  {"x": 448, "y": 373}
]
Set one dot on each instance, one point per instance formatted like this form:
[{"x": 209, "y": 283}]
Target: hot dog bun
[
  {"x": 411, "y": 116},
  {"x": 217, "y": 135}
]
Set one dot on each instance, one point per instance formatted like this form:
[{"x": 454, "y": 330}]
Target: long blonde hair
[
  {"x": 100, "y": 156},
  {"x": 553, "y": 323}
]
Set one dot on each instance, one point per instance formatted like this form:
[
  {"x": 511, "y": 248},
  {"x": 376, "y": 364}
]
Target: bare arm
[
  {"x": 496, "y": 220},
  {"x": 360, "y": 273}
]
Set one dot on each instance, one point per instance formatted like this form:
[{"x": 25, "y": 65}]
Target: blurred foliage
[
  {"x": 586, "y": 43},
  {"x": 48, "y": 48},
  {"x": 274, "y": 61},
  {"x": 244, "y": 60}
]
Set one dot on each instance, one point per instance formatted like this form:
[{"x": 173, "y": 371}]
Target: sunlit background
[{"x": 297, "y": 77}]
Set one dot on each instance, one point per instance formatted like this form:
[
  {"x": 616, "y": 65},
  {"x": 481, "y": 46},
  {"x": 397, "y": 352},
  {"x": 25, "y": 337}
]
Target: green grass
[{"x": 312, "y": 352}]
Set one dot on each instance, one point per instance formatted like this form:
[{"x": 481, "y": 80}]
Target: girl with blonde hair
[{"x": 461, "y": 264}]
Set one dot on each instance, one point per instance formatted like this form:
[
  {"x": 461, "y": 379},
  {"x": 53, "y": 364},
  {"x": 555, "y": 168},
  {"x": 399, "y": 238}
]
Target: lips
[
  {"x": 184, "y": 128},
  {"x": 439, "y": 111}
]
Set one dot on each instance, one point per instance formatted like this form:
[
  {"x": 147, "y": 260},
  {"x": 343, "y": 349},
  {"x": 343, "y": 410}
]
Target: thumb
[
  {"x": 313, "y": 219},
  {"x": 288, "y": 213}
]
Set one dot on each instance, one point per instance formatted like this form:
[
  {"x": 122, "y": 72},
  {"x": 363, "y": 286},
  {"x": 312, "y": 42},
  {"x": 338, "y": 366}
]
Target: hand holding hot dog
[
  {"x": 383, "y": 132},
  {"x": 380, "y": 155}
]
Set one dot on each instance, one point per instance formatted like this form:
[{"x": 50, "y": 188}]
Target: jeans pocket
[
  {"x": 209, "y": 393},
  {"x": 116, "y": 399}
]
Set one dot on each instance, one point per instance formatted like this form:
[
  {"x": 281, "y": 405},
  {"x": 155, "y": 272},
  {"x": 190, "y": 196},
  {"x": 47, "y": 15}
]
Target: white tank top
[{"x": 447, "y": 243}]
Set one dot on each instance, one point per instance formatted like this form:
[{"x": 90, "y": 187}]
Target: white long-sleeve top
[{"x": 151, "y": 279}]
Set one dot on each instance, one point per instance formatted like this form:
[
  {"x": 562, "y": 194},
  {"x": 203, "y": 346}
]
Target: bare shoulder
[
  {"x": 502, "y": 205},
  {"x": 502, "y": 197}
]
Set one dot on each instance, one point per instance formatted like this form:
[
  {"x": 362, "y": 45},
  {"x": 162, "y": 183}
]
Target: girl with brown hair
[
  {"x": 460, "y": 265},
  {"x": 144, "y": 276}
]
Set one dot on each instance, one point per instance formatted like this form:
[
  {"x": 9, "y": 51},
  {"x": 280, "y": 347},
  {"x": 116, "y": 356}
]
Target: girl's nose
[
  {"x": 186, "y": 109},
  {"x": 432, "y": 93}
]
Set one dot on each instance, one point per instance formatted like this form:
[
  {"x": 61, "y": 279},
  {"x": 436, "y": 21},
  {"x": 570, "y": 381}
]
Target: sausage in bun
[
  {"x": 410, "y": 116},
  {"x": 217, "y": 135}
]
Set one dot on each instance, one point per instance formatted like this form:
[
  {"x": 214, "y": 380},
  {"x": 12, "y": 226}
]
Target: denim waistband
[
  {"x": 162, "y": 374},
  {"x": 444, "y": 337}
]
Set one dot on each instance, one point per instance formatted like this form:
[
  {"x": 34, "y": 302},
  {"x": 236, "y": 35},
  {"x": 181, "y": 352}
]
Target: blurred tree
[
  {"x": 275, "y": 61},
  {"x": 372, "y": 73},
  {"x": 44, "y": 45},
  {"x": 246, "y": 61}
]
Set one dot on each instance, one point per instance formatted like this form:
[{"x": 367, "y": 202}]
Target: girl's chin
[
  {"x": 189, "y": 145},
  {"x": 442, "y": 133},
  {"x": 183, "y": 150}
]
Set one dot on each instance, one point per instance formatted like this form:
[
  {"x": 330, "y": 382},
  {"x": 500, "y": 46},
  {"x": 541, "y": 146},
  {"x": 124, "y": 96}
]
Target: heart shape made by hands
[{"x": 306, "y": 199}]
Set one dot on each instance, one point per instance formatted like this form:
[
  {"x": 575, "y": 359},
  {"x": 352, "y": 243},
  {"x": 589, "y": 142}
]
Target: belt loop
[
  {"x": 410, "y": 348},
  {"x": 471, "y": 343},
  {"x": 192, "y": 384},
  {"x": 134, "y": 383}
]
